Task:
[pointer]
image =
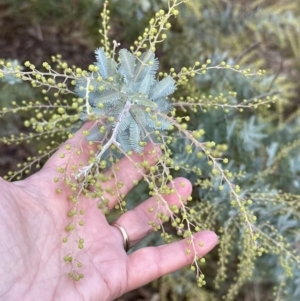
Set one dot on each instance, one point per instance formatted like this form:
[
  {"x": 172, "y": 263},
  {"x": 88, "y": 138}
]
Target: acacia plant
[{"x": 127, "y": 104}]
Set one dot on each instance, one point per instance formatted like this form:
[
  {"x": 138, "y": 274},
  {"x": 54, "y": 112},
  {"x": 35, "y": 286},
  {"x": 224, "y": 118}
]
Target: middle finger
[
  {"x": 117, "y": 181},
  {"x": 141, "y": 220}
]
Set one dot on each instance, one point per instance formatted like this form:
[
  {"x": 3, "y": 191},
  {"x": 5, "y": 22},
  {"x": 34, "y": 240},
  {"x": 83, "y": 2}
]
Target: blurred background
[{"x": 262, "y": 34}]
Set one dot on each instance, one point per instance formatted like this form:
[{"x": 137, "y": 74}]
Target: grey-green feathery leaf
[
  {"x": 139, "y": 116},
  {"x": 125, "y": 122},
  {"x": 165, "y": 124},
  {"x": 127, "y": 64},
  {"x": 160, "y": 123},
  {"x": 146, "y": 84},
  {"x": 81, "y": 86},
  {"x": 102, "y": 62},
  {"x": 99, "y": 112},
  {"x": 163, "y": 88},
  {"x": 146, "y": 64},
  {"x": 112, "y": 69},
  {"x": 132, "y": 84},
  {"x": 110, "y": 96},
  {"x": 134, "y": 137},
  {"x": 123, "y": 140},
  {"x": 163, "y": 105},
  {"x": 116, "y": 109},
  {"x": 252, "y": 134},
  {"x": 95, "y": 134},
  {"x": 11, "y": 79},
  {"x": 142, "y": 100}
]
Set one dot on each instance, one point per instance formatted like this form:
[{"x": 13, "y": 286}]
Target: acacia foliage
[{"x": 241, "y": 154}]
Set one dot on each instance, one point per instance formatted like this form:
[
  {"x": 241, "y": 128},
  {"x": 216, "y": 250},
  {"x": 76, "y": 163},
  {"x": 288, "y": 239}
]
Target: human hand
[{"x": 33, "y": 220}]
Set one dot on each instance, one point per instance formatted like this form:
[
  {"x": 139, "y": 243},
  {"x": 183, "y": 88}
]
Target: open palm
[{"x": 33, "y": 220}]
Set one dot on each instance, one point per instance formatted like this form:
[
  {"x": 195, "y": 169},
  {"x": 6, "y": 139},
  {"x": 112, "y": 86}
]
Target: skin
[{"x": 33, "y": 220}]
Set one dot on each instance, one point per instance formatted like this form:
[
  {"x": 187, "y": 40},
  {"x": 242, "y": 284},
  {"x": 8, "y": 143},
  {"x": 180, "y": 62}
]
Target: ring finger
[{"x": 140, "y": 221}]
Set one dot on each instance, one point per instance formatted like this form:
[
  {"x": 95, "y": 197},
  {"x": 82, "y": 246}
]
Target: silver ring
[{"x": 126, "y": 242}]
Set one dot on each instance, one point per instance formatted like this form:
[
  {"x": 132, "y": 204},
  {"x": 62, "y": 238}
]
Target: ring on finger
[{"x": 126, "y": 242}]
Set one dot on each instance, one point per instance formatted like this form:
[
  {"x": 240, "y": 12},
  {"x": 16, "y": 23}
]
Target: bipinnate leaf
[
  {"x": 107, "y": 97},
  {"x": 163, "y": 88},
  {"x": 127, "y": 64},
  {"x": 146, "y": 84},
  {"x": 102, "y": 62},
  {"x": 95, "y": 134},
  {"x": 134, "y": 137},
  {"x": 147, "y": 64}
]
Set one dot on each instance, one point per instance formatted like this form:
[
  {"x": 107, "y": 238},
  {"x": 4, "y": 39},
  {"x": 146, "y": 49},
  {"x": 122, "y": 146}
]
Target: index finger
[
  {"x": 120, "y": 178},
  {"x": 75, "y": 151}
]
